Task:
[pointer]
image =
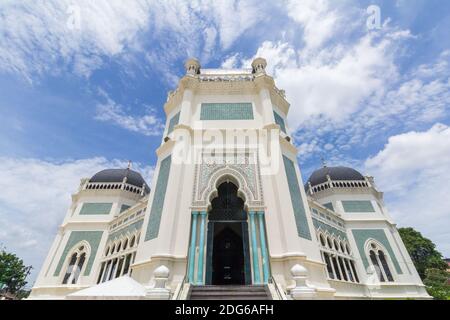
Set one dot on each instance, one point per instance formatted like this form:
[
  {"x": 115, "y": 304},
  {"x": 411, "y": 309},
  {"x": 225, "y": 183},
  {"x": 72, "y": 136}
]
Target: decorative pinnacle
[{"x": 192, "y": 66}]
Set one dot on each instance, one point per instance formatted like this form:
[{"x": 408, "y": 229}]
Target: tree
[
  {"x": 422, "y": 251},
  {"x": 437, "y": 283},
  {"x": 13, "y": 273}
]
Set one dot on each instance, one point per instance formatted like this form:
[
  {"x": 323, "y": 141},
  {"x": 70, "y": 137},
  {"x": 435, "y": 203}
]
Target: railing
[
  {"x": 338, "y": 184},
  {"x": 226, "y": 77},
  {"x": 278, "y": 290},
  {"x": 114, "y": 186},
  {"x": 179, "y": 290}
]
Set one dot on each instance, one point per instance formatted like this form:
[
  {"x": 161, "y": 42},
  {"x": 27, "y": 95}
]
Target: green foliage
[
  {"x": 13, "y": 273},
  {"x": 422, "y": 251},
  {"x": 428, "y": 262},
  {"x": 437, "y": 283}
]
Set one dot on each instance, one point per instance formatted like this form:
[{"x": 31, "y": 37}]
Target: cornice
[{"x": 253, "y": 86}]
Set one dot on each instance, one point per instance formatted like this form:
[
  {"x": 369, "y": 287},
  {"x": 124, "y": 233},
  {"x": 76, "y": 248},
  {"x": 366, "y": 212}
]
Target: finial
[
  {"x": 129, "y": 165},
  {"x": 192, "y": 66},
  {"x": 324, "y": 164},
  {"x": 259, "y": 66}
]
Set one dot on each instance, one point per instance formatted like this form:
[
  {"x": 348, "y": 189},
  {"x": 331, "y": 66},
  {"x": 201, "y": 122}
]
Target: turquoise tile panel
[
  {"x": 332, "y": 230},
  {"x": 92, "y": 237},
  {"x": 358, "y": 206},
  {"x": 132, "y": 228},
  {"x": 173, "y": 122},
  {"x": 329, "y": 205},
  {"x": 226, "y": 111},
  {"x": 362, "y": 235},
  {"x": 124, "y": 207},
  {"x": 158, "y": 200},
  {"x": 95, "y": 208},
  {"x": 296, "y": 199},
  {"x": 279, "y": 121}
]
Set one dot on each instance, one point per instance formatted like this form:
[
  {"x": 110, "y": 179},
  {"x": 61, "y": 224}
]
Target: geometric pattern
[
  {"x": 358, "y": 206},
  {"x": 279, "y": 121},
  {"x": 158, "y": 200},
  {"x": 95, "y": 208},
  {"x": 296, "y": 199},
  {"x": 226, "y": 111},
  {"x": 173, "y": 122},
  {"x": 331, "y": 230}
]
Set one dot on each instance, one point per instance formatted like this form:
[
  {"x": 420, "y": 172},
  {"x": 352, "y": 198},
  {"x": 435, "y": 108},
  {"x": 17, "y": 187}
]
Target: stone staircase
[{"x": 231, "y": 292}]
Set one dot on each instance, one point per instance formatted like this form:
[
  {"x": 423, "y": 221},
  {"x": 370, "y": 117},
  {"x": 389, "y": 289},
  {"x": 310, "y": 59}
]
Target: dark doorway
[
  {"x": 228, "y": 255},
  {"x": 228, "y": 260}
]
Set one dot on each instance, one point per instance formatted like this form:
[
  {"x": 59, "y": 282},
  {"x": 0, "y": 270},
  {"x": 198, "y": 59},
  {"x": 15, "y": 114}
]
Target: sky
[{"x": 83, "y": 84}]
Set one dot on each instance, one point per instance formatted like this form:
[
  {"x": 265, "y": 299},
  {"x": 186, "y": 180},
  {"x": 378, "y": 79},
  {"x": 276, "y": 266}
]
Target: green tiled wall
[
  {"x": 132, "y": 228},
  {"x": 124, "y": 207},
  {"x": 362, "y": 235},
  {"x": 332, "y": 230},
  {"x": 95, "y": 208},
  {"x": 158, "y": 200},
  {"x": 173, "y": 122},
  {"x": 92, "y": 237},
  {"x": 358, "y": 206},
  {"x": 296, "y": 199},
  {"x": 226, "y": 111},
  {"x": 279, "y": 121},
  {"x": 329, "y": 205}
]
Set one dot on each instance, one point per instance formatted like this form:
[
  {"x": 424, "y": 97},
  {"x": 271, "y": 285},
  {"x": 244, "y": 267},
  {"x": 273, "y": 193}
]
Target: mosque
[{"x": 227, "y": 215}]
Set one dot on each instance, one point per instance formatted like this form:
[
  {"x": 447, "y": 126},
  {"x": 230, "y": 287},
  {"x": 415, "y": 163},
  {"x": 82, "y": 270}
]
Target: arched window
[
  {"x": 107, "y": 251},
  {"x": 347, "y": 248},
  {"x": 330, "y": 245},
  {"x": 322, "y": 240},
  {"x": 374, "y": 260},
  {"x": 132, "y": 241},
  {"x": 118, "y": 246},
  {"x": 336, "y": 246},
  {"x": 385, "y": 265},
  {"x": 113, "y": 248},
  {"x": 342, "y": 247},
  {"x": 125, "y": 244},
  {"x": 380, "y": 260},
  {"x": 75, "y": 266}
]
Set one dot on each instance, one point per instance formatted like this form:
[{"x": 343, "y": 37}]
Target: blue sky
[{"x": 83, "y": 83}]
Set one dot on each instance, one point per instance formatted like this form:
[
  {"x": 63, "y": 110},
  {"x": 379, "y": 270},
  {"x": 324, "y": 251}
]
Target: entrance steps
[{"x": 230, "y": 292}]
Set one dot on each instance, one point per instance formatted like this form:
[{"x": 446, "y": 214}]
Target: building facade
[{"x": 227, "y": 206}]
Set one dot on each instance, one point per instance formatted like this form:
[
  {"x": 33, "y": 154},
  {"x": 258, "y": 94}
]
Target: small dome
[
  {"x": 336, "y": 173},
  {"x": 116, "y": 175}
]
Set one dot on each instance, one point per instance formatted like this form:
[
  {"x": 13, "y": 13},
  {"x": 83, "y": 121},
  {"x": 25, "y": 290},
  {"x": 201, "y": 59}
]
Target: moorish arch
[
  {"x": 228, "y": 174},
  {"x": 228, "y": 232}
]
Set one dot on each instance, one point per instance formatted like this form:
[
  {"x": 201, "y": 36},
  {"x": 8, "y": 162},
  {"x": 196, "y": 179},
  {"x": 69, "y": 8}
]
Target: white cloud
[
  {"x": 49, "y": 37},
  {"x": 39, "y": 37},
  {"x": 148, "y": 124},
  {"x": 413, "y": 170},
  {"x": 317, "y": 18},
  {"x": 35, "y": 197}
]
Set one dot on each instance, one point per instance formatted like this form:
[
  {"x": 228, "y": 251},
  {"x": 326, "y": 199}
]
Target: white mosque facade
[{"x": 227, "y": 215}]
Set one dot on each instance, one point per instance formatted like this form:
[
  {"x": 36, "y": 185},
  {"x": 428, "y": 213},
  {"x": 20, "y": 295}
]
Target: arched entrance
[{"x": 228, "y": 255}]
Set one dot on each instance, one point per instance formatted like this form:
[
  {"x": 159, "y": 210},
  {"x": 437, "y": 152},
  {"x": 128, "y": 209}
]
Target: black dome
[
  {"x": 116, "y": 175},
  {"x": 336, "y": 173}
]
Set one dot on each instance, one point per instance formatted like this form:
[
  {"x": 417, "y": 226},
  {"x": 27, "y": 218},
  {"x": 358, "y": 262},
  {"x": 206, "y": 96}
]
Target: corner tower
[{"x": 74, "y": 259}]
